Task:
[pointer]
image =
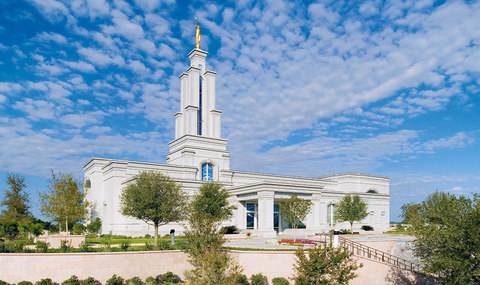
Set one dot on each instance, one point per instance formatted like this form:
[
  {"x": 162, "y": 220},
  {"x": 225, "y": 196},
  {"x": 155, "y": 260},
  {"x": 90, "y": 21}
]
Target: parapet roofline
[{"x": 352, "y": 174}]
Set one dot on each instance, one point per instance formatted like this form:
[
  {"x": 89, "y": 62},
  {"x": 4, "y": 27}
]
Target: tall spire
[{"x": 198, "y": 37}]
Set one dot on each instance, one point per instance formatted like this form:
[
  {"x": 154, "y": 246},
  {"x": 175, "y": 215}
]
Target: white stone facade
[{"x": 198, "y": 153}]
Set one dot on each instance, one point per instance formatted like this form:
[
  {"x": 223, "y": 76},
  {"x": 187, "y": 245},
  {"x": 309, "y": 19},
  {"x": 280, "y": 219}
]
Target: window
[
  {"x": 276, "y": 217},
  {"x": 251, "y": 213},
  {"x": 372, "y": 191},
  {"x": 207, "y": 172},
  {"x": 331, "y": 215}
]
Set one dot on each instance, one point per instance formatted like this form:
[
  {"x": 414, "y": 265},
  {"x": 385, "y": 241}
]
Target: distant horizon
[{"x": 306, "y": 89}]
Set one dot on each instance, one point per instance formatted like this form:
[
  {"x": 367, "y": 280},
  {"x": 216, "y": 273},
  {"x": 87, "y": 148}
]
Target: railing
[{"x": 365, "y": 251}]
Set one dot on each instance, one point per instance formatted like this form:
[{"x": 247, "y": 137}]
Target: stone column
[
  {"x": 313, "y": 223},
  {"x": 265, "y": 214}
]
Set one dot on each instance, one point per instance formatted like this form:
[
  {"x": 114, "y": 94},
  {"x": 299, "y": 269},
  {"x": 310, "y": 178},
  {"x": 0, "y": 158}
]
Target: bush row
[
  {"x": 167, "y": 278},
  {"x": 18, "y": 246}
]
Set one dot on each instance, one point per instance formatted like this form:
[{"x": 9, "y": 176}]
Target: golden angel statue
[{"x": 198, "y": 37}]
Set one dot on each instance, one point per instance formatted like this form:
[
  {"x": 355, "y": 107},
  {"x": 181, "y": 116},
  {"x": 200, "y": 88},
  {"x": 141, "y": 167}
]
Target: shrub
[
  {"x": 229, "y": 230},
  {"x": 150, "y": 281},
  {"x": 367, "y": 228},
  {"x": 78, "y": 229},
  {"x": 42, "y": 246},
  {"x": 3, "y": 282},
  {"x": 325, "y": 265},
  {"x": 24, "y": 283},
  {"x": 115, "y": 280},
  {"x": 163, "y": 245},
  {"x": 106, "y": 243},
  {"x": 9, "y": 230},
  {"x": 46, "y": 281},
  {"x": 259, "y": 279},
  {"x": 134, "y": 281},
  {"x": 242, "y": 280},
  {"x": 65, "y": 245},
  {"x": 183, "y": 244},
  {"x": 85, "y": 246},
  {"x": 148, "y": 246},
  {"x": 94, "y": 226},
  {"x": 125, "y": 245},
  {"x": 11, "y": 246},
  {"x": 168, "y": 277},
  {"x": 73, "y": 280},
  {"x": 280, "y": 281},
  {"x": 91, "y": 281}
]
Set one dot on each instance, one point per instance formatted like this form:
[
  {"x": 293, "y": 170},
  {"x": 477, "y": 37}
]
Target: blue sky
[{"x": 306, "y": 88}]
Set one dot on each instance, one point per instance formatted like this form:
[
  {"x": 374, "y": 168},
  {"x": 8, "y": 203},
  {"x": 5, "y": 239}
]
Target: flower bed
[{"x": 297, "y": 242}]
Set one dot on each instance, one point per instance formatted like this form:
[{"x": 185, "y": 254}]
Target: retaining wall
[{"x": 102, "y": 265}]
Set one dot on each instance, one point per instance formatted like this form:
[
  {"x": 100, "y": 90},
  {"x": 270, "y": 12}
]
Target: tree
[
  {"x": 9, "y": 229},
  {"x": 351, "y": 209},
  {"x": 410, "y": 212},
  {"x": 447, "y": 237},
  {"x": 324, "y": 265},
  {"x": 208, "y": 210},
  {"x": 16, "y": 200},
  {"x": 154, "y": 198},
  {"x": 294, "y": 210},
  {"x": 64, "y": 201},
  {"x": 94, "y": 226}
]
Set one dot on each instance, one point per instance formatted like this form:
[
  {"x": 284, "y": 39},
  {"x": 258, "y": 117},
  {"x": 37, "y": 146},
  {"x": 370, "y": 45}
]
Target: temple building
[{"x": 199, "y": 154}]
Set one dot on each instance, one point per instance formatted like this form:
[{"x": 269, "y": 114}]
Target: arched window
[
  {"x": 372, "y": 191},
  {"x": 207, "y": 174},
  {"x": 331, "y": 215}
]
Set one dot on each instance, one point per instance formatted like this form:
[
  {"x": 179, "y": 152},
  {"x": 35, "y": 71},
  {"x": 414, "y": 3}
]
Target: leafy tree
[
  {"x": 447, "y": 237},
  {"x": 410, "y": 212},
  {"x": 294, "y": 210},
  {"x": 351, "y": 209},
  {"x": 16, "y": 200},
  {"x": 9, "y": 230},
  {"x": 63, "y": 201},
  {"x": 154, "y": 198},
  {"x": 95, "y": 226},
  {"x": 212, "y": 265},
  {"x": 324, "y": 265}
]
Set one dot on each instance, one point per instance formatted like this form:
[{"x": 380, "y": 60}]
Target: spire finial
[{"x": 198, "y": 37}]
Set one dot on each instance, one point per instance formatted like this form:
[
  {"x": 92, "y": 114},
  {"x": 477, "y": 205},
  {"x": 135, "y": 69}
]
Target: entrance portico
[{"x": 258, "y": 207}]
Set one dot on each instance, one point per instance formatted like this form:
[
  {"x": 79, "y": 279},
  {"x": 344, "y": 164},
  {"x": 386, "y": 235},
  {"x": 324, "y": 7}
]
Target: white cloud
[
  {"x": 98, "y": 130},
  {"x": 3, "y": 98},
  {"x": 98, "y": 8},
  {"x": 47, "y": 37},
  {"x": 458, "y": 140},
  {"x": 36, "y": 109},
  {"x": 125, "y": 26},
  {"x": 80, "y": 120},
  {"x": 80, "y": 66},
  {"x": 52, "y": 9},
  {"x": 98, "y": 58}
]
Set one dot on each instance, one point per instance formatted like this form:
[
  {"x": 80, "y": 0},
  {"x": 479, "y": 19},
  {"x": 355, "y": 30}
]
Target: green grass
[
  {"x": 119, "y": 240},
  {"x": 399, "y": 232}
]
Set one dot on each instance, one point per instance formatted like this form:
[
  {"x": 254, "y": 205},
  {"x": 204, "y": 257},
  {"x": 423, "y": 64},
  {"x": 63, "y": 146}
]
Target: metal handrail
[{"x": 372, "y": 253}]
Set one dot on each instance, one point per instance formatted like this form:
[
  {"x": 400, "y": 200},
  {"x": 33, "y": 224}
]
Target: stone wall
[{"x": 60, "y": 266}]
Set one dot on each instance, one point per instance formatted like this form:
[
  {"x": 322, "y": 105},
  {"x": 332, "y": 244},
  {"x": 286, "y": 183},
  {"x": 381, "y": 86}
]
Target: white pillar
[
  {"x": 313, "y": 224},
  {"x": 265, "y": 214}
]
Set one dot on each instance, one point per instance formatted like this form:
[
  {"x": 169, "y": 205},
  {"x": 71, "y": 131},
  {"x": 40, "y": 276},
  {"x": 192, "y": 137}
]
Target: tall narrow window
[
  {"x": 251, "y": 213},
  {"x": 276, "y": 217},
  {"x": 199, "y": 128},
  {"x": 331, "y": 215},
  {"x": 207, "y": 172}
]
